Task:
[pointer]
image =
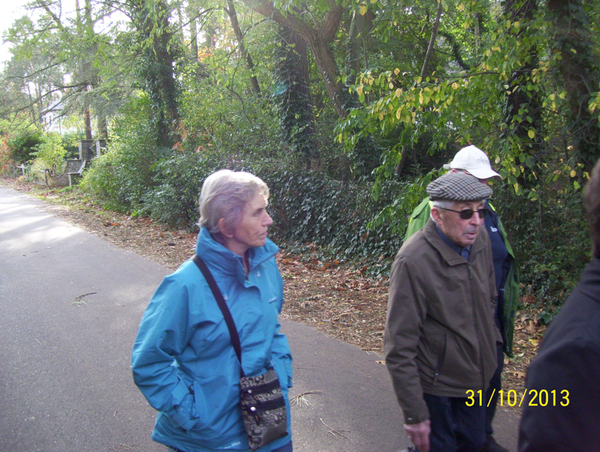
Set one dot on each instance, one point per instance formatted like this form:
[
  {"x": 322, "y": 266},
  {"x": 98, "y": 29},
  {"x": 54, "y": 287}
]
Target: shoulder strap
[{"x": 235, "y": 338}]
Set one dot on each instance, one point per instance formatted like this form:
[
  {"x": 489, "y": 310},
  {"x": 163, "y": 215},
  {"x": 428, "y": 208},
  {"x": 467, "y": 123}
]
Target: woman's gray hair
[{"x": 225, "y": 194}]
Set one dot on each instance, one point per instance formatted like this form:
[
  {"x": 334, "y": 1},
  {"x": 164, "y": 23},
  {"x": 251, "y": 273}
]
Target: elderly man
[
  {"x": 472, "y": 160},
  {"x": 440, "y": 338}
]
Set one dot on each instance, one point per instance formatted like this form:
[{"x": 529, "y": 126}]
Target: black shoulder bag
[{"x": 263, "y": 406}]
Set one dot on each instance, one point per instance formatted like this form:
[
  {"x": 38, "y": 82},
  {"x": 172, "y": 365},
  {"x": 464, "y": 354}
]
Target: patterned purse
[
  {"x": 263, "y": 406},
  {"x": 263, "y": 409}
]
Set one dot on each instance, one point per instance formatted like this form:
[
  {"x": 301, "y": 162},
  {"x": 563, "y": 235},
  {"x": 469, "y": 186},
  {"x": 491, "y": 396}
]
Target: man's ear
[
  {"x": 223, "y": 230},
  {"x": 436, "y": 215}
]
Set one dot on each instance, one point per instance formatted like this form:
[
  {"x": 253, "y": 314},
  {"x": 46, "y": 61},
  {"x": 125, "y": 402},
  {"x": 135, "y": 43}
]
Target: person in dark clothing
[{"x": 563, "y": 410}]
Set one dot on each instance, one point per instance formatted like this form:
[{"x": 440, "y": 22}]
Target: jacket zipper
[{"x": 479, "y": 350}]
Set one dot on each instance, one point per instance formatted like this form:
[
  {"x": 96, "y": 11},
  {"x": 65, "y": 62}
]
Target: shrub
[
  {"x": 550, "y": 239},
  {"x": 307, "y": 207},
  {"x": 71, "y": 144},
  {"x": 174, "y": 198},
  {"x": 216, "y": 121},
  {"x": 311, "y": 207},
  {"x": 49, "y": 159},
  {"x": 120, "y": 178},
  {"x": 24, "y": 144},
  {"x": 6, "y": 160}
]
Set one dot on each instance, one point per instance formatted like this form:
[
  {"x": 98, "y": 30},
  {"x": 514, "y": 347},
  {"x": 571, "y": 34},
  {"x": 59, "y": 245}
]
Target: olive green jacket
[
  {"x": 511, "y": 285},
  {"x": 440, "y": 336}
]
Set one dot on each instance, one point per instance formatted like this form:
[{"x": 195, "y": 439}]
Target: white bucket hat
[{"x": 473, "y": 160}]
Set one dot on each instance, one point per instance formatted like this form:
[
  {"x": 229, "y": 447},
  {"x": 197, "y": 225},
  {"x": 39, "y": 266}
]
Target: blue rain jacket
[{"x": 183, "y": 360}]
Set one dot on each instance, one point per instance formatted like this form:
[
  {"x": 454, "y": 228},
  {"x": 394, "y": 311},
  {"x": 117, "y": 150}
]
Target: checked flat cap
[{"x": 458, "y": 187}]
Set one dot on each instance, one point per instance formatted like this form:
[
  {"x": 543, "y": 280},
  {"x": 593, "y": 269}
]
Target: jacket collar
[
  {"x": 446, "y": 251},
  {"x": 219, "y": 257}
]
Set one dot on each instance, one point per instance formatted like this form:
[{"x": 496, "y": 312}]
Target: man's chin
[{"x": 469, "y": 239}]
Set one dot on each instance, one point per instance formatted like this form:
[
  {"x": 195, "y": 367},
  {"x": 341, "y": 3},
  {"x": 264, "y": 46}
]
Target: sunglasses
[{"x": 468, "y": 213}]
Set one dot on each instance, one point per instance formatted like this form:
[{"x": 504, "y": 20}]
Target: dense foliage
[
  {"x": 346, "y": 108},
  {"x": 24, "y": 144}
]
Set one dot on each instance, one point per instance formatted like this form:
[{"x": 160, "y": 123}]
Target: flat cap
[{"x": 458, "y": 187}]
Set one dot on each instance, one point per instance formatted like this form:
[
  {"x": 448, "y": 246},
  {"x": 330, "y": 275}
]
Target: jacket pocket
[
  {"x": 431, "y": 354},
  {"x": 461, "y": 365},
  {"x": 216, "y": 400},
  {"x": 441, "y": 357}
]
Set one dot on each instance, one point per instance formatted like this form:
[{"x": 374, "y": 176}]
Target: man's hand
[{"x": 419, "y": 434}]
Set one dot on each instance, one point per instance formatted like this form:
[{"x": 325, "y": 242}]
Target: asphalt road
[{"x": 70, "y": 305}]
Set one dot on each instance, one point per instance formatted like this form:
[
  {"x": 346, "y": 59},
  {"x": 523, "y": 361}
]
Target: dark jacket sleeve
[
  {"x": 563, "y": 402},
  {"x": 405, "y": 314},
  {"x": 563, "y": 410}
]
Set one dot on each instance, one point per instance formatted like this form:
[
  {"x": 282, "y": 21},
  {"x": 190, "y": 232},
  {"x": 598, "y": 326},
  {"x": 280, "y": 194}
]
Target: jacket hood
[{"x": 217, "y": 256}]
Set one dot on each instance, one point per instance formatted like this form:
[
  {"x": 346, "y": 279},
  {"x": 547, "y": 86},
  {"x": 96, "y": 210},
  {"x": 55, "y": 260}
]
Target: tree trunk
[
  {"x": 521, "y": 102},
  {"x": 243, "y": 52},
  {"x": 358, "y": 44},
  {"x": 318, "y": 42},
  {"x": 152, "y": 21},
  {"x": 429, "y": 54},
  {"x": 295, "y": 101},
  {"x": 579, "y": 68},
  {"x": 329, "y": 73},
  {"x": 87, "y": 124},
  {"x": 102, "y": 127}
]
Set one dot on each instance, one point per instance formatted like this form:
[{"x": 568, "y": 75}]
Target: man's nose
[{"x": 477, "y": 219}]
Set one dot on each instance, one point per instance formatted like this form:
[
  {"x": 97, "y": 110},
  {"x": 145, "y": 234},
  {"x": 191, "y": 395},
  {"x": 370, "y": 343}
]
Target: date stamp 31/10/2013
[{"x": 514, "y": 398}]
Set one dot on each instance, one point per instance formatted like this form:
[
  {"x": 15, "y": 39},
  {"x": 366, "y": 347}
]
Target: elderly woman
[{"x": 183, "y": 360}]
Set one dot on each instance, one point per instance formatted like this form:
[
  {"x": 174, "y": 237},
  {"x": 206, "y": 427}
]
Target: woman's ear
[{"x": 223, "y": 230}]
